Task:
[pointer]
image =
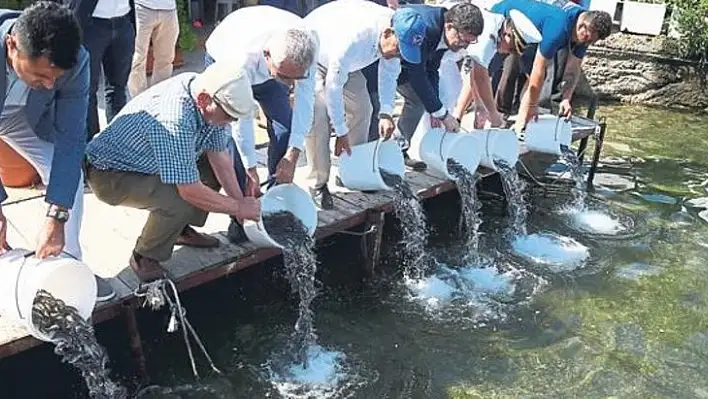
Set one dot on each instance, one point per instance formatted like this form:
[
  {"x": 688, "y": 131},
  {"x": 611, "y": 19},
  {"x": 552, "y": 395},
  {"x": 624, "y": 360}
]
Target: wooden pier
[{"x": 109, "y": 233}]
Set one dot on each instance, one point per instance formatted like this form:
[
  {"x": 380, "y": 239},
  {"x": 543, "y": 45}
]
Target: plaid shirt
[{"x": 159, "y": 132}]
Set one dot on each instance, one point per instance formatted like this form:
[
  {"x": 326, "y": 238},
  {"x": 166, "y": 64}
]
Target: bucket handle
[
  {"x": 374, "y": 159},
  {"x": 486, "y": 145},
  {"x": 440, "y": 150},
  {"x": 17, "y": 282},
  {"x": 555, "y": 131}
]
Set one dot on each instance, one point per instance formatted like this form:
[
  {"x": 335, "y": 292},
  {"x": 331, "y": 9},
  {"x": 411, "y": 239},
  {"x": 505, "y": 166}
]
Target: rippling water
[{"x": 631, "y": 321}]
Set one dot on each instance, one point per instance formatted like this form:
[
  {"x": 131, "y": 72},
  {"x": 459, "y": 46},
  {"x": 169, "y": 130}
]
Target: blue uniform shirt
[
  {"x": 555, "y": 24},
  {"x": 159, "y": 132}
]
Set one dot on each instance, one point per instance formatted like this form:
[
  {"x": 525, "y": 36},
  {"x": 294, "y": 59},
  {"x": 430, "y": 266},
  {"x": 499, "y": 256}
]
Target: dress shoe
[
  {"x": 323, "y": 197},
  {"x": 147, "y": 269},
  {"x": 417, "y": 166},
  {"x": 192, "y": 238}
]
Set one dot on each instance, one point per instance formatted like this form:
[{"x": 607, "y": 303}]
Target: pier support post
[
  {"x": 599, "y": 141},
  {"x": 136, "y": 343},
  {"x": 371, "y": 243},
  {"x": 592, "y": 109}
]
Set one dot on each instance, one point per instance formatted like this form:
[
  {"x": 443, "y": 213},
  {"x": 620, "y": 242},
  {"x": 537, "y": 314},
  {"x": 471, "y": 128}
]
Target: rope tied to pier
[{"x": 163, "y": 292}]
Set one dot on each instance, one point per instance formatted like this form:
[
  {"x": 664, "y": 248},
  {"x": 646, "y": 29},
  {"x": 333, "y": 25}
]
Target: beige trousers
[
  {"x": 357, "y": 109},
  {"x": 160, "y": 27}
]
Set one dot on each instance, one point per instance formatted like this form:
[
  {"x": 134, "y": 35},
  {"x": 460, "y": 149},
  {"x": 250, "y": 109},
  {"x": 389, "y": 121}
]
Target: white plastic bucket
[
  {"x": 437, "y": 146},
  {"x": 496, "y": 144},
  {"x": 283, "y": 197},
  {"x": 547, "y": 134},
  {"x": 22, "y": 276},
  {"x": 360, "y": 171}
]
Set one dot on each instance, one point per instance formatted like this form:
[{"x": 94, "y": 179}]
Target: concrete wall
[{"x": 644, "y": 70}]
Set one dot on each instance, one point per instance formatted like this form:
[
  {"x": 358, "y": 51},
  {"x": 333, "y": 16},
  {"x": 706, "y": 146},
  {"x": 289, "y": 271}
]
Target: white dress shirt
[
  {"x": 483, "y": 51},
  {"x": 242, "y": 35},
  {"x": 111, "y": 9},
  {"x": 349, "y": 32}
]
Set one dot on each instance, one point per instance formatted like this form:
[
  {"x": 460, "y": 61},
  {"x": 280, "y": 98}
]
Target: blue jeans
[
  {"x": 274, "y": 99},
  {"x": 110, "y": 44}
]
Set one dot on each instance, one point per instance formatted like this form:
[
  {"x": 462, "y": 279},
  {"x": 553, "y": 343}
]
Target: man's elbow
[{"x": 188, "y": 191}]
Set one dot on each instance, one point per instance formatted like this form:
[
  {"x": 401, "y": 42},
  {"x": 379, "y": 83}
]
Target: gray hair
[{"x": 298, "y": 46}]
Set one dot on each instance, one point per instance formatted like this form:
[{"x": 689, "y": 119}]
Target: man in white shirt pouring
[
  {"x": 354, "y": 34},
  {"x": 501, "y": 35},
  {"x": 277, "y": 52}
]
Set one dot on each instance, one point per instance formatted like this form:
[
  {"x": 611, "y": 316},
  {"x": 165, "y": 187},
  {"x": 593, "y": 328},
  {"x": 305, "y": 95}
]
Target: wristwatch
[{"x": 58, "y": 214}]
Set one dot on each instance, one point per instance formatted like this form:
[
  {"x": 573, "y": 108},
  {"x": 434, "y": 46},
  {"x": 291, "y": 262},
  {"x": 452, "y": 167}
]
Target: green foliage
[
  {"x": 187, "y": 40},
  {"x": 690, "y": 16},
  {"x": 15, "y": 4}
]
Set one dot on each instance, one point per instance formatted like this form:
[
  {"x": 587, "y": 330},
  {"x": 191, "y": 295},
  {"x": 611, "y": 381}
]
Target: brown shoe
[
  {"x": 192, "y": 238},
  {"x": 147, "y": 269}
]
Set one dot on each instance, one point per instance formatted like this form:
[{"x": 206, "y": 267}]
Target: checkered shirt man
[{"x": 160, "y": 132}]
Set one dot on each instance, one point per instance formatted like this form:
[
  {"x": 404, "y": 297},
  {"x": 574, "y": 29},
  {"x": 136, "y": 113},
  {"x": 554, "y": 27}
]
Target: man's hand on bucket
[
  {"x": 249, "y": 208},
  {"x": 3, "y": 233},
  {"x": 565, "y": 110},
  {"x": 341, "y": 144},
  {"x": 253, "y": 183},
  {"x": 386, "y": 126},
  {"x": 285, "y": 171},
  {"x": 51, "y": 239}
]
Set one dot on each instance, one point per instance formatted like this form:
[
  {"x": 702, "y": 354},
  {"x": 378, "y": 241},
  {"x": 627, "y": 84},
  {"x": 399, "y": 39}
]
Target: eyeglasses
[
  {"x": 464, "y": 37},
  {"x": 280, "y": 76}
]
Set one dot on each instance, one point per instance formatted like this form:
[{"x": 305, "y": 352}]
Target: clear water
[
  {"x": 409, "y": 211},
  {"x": 576, "y": 172},
  {"x": 75, "y": 343},
  {"x": 630, "y": 322},
  {"x": 514, "y": 192}
]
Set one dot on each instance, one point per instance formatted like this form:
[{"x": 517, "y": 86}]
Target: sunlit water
[
  {"x": 409, "y": 211},
  {"x": 514, "y": 193},
  {"x": 631, "y": 321}
]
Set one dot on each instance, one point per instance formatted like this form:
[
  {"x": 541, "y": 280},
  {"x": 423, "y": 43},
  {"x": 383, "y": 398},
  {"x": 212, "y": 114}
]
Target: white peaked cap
[
  {"x": 229, "y": 84},
  {"x": 524, "y": 27}
]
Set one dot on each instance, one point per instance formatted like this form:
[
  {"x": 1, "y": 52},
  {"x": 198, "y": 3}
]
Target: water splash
[
  {"x": 471, "y": 218},
  {"x": 513, "y": 190},
  {"x": 75, "y": 343},
  {"x": 220, "y": 388},
  {"x": 593, "y": 221},
  {"x": 300, "y": 268},
  {"x": 576, "y": 172},
  {"x": 409, "y": 212},
  {"x": 556, "y": 252},
  {"x": 330, "y": 375}
]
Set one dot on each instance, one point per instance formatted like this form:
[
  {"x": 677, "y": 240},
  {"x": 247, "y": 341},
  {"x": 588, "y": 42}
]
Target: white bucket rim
[
  {"x": 311, "y": 226},
  {"x": 25, "y": 311}
]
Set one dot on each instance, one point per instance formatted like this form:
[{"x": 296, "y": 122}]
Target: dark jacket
[
  {"x": 57, "y": 116},
  {"x": 424, "y": 77}
]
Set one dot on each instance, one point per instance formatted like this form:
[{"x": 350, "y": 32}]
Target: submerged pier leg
[
  {"x": 136, "y": 343},
  {"x": 371, "y": 243},
  {"x": 598, "y": 150}
]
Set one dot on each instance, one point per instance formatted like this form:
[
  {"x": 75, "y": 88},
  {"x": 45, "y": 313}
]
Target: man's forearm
[
  {"x": 207, "y": 199},
  {"x": 571, "y": 76},
  {"x": 484, "y": 87},
  {"x": 466, "y": 96},
  {"x": 221, "y": 164}
]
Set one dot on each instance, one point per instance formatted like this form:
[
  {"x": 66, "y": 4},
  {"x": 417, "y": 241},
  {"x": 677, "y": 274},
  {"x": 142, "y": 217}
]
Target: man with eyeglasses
[
  {"x": 353, "y": 35},
  {"x": 501, "y": 35},
  {"x": 167, "y": 152},
  {"x": 572, "y": 28},
  {"x": 419, "y": 84},
  {"x": 277, "y": 52}
]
